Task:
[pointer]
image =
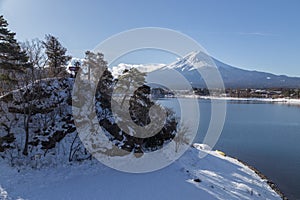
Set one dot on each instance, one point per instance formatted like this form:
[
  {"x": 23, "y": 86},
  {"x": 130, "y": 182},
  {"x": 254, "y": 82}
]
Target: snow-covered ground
[
  {"x": 212, "y": 177},
  {"x": 277, "y": 100}
]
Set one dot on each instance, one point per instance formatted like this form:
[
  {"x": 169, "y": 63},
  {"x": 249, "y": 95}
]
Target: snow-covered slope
[
  {"x": 237, "y": 78},
  {"x": 233, "y": 77},
  {"x": 50, "y": 124},
  {"x": 213, "y": 177},
  {"x": 119, "y": 69}
]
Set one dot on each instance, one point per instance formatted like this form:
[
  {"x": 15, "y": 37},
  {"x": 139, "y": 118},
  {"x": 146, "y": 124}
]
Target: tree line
[
  {"x": 24, "y": 65},
  {"x": 254, "y": 93},
  {"x": 27, "y": 62}
]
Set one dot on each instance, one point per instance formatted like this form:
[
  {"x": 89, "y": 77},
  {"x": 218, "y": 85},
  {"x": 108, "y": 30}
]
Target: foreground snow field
[{"x": 191, "y": 177}]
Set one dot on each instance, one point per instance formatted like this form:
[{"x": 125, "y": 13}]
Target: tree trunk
[
  {"x": 71, "y": 148},
  {"x": 25, "y": 150},
  {"x": 123, "y": 101},
  {"x": 89, "y": 73}
]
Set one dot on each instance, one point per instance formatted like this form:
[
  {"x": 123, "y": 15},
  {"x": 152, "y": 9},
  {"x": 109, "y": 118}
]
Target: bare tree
[
  {"x": 31, "y": 80},
  {"x": 182, "y": 138},
  {"x": 36, "y": 55}
]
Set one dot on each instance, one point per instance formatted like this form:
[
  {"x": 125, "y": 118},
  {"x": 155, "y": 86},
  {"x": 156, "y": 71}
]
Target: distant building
[{"x": 74, "y": 68}]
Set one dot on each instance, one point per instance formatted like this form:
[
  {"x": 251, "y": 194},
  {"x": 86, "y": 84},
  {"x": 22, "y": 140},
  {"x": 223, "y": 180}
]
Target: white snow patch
[
  {"x": 190, "y": 177},
  {"x": 147, "y": 68}
]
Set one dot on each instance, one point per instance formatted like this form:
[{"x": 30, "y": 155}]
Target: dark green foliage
[
  {"x": 5, "y": 142},
  {"x": 56, "y": 54},
  {"x": 104, "y": 88},
  {"x": 96, "y": 62},
  {"x": 129, "y": 81},
  {"x": 13, "y": 61},
  {"x": 139, "y": 107}
]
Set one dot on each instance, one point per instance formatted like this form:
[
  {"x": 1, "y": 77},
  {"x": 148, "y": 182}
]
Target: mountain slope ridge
[{"x": 233, "y": 77}]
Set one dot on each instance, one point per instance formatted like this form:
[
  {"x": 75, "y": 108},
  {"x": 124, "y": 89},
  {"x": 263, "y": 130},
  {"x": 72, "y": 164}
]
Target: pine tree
[
  {"x": 56, "y": 54},
  {"x": 130, "y": 88},
  {"x": 95, "y": 61},
  {"x": 13, "y": 61},
  {"x": 129, "y": 81}
]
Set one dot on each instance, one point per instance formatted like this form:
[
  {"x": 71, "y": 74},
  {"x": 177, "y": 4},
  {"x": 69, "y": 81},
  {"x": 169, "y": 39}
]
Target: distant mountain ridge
[
  {"x": 239, "y": 78},
  {"x": 233, "y": 77}
]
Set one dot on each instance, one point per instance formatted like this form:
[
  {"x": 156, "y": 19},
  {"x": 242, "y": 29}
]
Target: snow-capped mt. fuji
[
  {"x": 193, "y": 60},
  {"x": 233, "y": 77}
]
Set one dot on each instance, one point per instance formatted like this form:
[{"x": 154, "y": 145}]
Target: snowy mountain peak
[
  {"x": 233, "y": 77},
  {"x": 195, "y": 57},
  {"x": 193, "y": 60}
]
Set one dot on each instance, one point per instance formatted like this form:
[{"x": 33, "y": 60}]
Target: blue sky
[{"x": 256, "y": 35}]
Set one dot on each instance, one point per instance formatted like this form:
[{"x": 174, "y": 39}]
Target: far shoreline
[{"x": 286, "y": 101}]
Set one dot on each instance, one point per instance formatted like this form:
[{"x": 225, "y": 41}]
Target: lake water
[{"x": 264, "y": 135}]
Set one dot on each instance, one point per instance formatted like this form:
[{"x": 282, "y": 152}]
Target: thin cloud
[
  {"x": 256, "y": 34},
  {"x": 262, "y": 34}
]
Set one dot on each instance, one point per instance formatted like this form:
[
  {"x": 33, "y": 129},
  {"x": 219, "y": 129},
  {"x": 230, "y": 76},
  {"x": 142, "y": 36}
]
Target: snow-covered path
[{"x": 213, "y": 177}]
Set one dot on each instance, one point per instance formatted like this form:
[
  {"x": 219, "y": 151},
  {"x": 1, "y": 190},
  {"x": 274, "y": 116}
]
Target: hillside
[
  {"x": 45, "y": 109},
  {"x": 59, "y": 167}
]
